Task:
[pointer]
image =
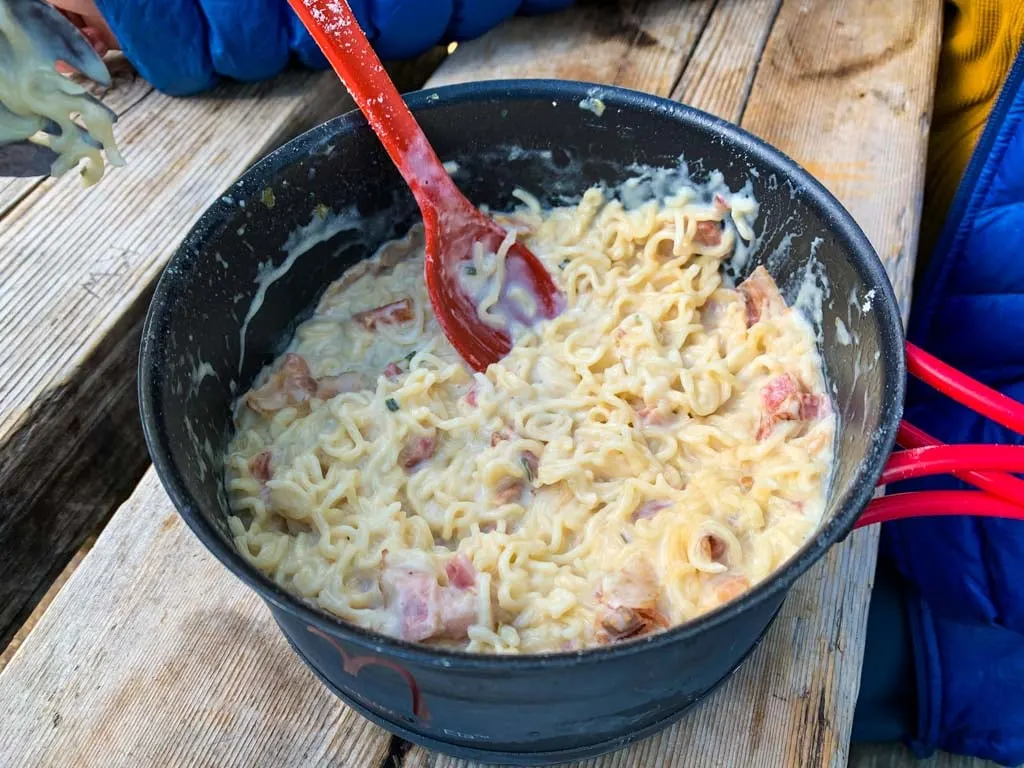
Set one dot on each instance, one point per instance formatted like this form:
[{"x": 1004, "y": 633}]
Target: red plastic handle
[
  {"x": 1002, "y": 495},
  {"x": 336, "y": 31}
]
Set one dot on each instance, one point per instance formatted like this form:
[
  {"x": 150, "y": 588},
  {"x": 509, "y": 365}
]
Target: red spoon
[{"x": 452, "y": 223}]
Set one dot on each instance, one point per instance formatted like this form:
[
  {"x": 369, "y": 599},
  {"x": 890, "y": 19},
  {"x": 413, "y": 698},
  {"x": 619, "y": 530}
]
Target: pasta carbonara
[{"x": 648, "y": 455}]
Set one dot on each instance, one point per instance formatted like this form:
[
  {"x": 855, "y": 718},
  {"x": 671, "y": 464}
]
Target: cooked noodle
[{"x": 651, "y": 453}]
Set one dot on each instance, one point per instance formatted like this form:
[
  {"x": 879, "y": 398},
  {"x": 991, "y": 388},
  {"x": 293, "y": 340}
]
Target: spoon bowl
[{"x": 453, "y": 225}]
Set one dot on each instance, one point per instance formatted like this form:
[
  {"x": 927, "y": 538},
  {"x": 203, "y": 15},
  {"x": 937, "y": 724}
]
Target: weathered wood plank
[
  {"x": 791, "y": 704},
  {"x": 150, "y": 676},
  {"x": 76, "y": 271},
  {"x": 624, "y": 42}
]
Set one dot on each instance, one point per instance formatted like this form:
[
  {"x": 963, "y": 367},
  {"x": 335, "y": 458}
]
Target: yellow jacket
[{"x": 980, "y": 41}]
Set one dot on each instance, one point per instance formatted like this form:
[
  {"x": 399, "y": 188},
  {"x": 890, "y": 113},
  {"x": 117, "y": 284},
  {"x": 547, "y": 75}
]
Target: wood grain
[
  {"x": 128, "y": 668},
  {"x": 641, "y": 44},
  {"x": 77, "y": 269},
  {"x": 791, "y": 704}
]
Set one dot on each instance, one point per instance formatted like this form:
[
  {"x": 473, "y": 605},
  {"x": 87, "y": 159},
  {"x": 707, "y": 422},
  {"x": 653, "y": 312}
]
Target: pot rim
[{"x": 836, "y": 528}]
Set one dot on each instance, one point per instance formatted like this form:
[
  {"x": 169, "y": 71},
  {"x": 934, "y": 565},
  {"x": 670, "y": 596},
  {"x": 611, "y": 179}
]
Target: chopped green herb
[
  {"x": 564, "y": 264},
  {"x": 268, "y": 198},
  {"x": 392, "y": 404},
  {"x": 526, "y": 468},
  {"x": 408, "y": 358},
  {"x": 471, "y": 270},
  {"x": 321, "y": 211}
]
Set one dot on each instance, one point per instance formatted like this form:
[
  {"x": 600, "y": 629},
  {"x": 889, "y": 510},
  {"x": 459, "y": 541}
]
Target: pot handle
[{"x": 984, "y": 466}]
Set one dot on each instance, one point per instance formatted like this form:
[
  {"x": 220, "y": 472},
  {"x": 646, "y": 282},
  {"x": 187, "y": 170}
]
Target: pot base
[{"x": 491, "y": 756}]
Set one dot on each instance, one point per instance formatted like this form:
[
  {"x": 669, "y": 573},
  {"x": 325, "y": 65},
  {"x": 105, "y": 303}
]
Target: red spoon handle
[
  {"x": 335, "y": 29},
  {"x": 940, "y": 459}
]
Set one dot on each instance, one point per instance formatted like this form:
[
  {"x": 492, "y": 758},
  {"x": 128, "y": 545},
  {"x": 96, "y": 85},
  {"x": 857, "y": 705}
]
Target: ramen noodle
[{"x": 651, "y": 453}]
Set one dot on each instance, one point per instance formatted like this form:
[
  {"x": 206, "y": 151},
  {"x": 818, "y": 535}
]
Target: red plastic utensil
[
  {"x": 1001, "y": 495},
  {"x": 452, "y": 224}
]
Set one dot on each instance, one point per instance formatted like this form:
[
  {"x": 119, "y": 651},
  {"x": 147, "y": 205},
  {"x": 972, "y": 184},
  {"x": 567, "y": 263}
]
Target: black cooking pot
[{"x": 220, "y": 285}]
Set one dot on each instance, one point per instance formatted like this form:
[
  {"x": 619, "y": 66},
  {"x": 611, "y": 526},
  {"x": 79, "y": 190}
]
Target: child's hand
[{"x": 86, "y": 16}]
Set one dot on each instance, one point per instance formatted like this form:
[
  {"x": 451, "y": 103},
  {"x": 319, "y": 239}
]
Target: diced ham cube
[
  {"x": 628, "y": 603},
  {"x": 390, "y": 314},
  {"x": 508, "y": 490},
  {"x": 416, "y": 451},
  {"x": 761, "y": 296},
  {"x": 425, "y": 609},
  {"x": 392, "y": 370},
  {"x": 331, "y": 386},
  {"x": 289, "y": 386},
  {"x": 471, "y": 398},
  {"x": 708, "y": 233},
  {"x": 649, "y": 509},
  {"x": 785, "y": 398},
  {"x": 259, "y": 466}
]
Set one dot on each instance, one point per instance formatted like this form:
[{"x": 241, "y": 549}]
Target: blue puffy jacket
[
  {"x": 966, "y": 575},
  {"x": 184, "y": 46}
]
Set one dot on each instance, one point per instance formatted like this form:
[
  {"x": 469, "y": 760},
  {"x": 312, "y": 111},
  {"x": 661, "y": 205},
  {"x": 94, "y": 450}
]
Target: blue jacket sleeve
[{"x": 185, "y": 46}]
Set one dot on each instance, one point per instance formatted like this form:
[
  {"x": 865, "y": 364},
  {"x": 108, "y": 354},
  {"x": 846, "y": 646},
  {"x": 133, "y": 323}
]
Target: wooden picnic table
[{"x": 151, "y": 653}]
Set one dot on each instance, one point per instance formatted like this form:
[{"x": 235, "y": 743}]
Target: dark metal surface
[{"x": 503, "y": 135}]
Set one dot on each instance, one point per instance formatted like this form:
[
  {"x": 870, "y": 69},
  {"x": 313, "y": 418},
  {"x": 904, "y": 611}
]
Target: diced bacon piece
[
  {"x": 649, "y": 509},
  {"x": 708, "y": 232},
  {"x": 424, "y": 609},
  {"x": 811, "y": 406},
  {"x": 259, "y": 466},
  {"x": 508, "y": 490},
  {"x": 781, "y": 397},
  {"x": 461, "y": 572},
  {"x": 628, "y": 603},
  {"x": 728, "y": 586},
  {"x": 392, "y": 370},
  {"x": 786, "y": 399},
  {"x": 713, "y": 548},
  {"x": 331, "y": 386},
  {"x": 471, "y": 399},
  {"x": 761, "y": 296},
  {"x": 290, "y": 385},
  {"x": 390, "y": 314},
  {"x": 500, "y": 437},
  {"x": 746, "y": 483},
  {"x": 416, "y": 451}
]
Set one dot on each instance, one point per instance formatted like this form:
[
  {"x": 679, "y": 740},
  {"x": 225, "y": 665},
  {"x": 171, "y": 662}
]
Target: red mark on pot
[{"x": 353, "y": 665}]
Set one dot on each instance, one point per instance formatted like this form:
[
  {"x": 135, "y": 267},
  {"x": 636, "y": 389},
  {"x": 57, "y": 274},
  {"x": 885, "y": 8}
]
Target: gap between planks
[{"x": 768, "y": 714}]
